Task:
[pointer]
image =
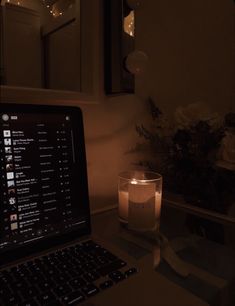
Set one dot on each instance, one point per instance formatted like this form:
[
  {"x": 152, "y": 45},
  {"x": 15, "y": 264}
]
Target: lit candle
[
  {"x": 123, "y": 205},
  {"x": 141, "y": 212},
  {"x": 123, "y": 198},
  {"x": 140, "y": 195}
]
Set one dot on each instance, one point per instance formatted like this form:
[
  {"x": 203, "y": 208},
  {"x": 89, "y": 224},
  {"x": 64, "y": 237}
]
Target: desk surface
[{"x": 201, "y": 288}]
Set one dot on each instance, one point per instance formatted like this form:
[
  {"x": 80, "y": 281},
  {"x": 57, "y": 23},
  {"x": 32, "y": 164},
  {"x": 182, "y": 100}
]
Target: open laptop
[
  {"x": 44, "y": 208},
  {"x": 47, "y": 256}
]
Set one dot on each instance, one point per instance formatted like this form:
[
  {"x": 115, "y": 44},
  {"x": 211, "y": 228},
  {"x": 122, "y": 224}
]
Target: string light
[
  {"x": 53, "y": 10},
  {"x": 13, "y": 2},
  {"x": 129, "y": 24}
]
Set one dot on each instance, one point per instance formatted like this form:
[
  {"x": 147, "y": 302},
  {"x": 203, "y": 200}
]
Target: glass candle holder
[{"x": 140, "y": 197}]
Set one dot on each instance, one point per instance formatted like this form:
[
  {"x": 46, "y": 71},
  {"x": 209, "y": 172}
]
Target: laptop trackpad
[{"x": 145, "y": 289}]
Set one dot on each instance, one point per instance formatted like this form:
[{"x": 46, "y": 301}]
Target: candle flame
[{"x": 134, "y": 181}]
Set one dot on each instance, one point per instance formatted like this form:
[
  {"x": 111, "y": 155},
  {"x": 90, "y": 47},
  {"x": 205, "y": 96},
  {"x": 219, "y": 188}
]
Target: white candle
[
  {"x": 123, "y": 206},
  {"x": 140, "y": 200},
  {"x": 123, "y": 198},
  {"x": 141, "y": 213}
]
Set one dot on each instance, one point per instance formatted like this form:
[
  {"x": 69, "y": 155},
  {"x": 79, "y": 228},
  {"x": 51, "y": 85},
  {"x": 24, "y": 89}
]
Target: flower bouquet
[{"x": 186, "y": 150}]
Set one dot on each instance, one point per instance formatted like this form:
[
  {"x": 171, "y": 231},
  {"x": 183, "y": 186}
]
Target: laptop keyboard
[{"x": 64, "y": 277}]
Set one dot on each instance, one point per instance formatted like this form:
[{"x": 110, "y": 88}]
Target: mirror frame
[{"x": 117, "y": 46}]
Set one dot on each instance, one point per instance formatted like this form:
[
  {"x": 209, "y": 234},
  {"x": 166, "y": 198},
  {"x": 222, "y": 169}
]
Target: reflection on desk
[{"x": 212, "y": 266}]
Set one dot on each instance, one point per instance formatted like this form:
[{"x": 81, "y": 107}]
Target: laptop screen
[{"x": 43, "y": 188}]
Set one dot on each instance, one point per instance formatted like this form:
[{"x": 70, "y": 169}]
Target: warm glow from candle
[
  {"x": 123, "y": 204},
  {"x": 145, "y": 196}
]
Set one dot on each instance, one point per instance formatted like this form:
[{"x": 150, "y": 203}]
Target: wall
[
  {"x": 191, "y": 47},
  {"x": 110, "y": 134}
]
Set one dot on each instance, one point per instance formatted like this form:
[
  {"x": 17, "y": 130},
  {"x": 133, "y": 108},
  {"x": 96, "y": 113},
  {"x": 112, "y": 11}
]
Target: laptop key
[
  {"x": 118, "y": 264},
  {"x": 29, "y": 292},
  {"x": 117, "y": 276},
  {"x": 130, "y": 272},
  {"x": 46, "y": 298},
  {"x": 101, "y": 260},
  {"x": 91, "y": 276},
  {"x": 6, "y": 277},
  {"x": 29, "y": 303},
  {"x": 106, "y": 284},
  {"x": 4, "y": 291},
  {"x": 62, "y": 290},
  {"x": 77, "y": 283},
  {"x": 60, "y": 279},
  {"x": 73, "y": 298},
  {"x": 45, "y": 286},
  {"x": 35, "y": 278},
  {"x": 13, "y": 299},
  {"x": 21, "y": 285},
  {"x": 90, "y": 290},
  {"x": 72, "y": 274}
]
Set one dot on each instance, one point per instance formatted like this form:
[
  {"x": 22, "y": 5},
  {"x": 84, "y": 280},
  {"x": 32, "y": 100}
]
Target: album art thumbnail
[
  {"x": 12, "y": 201},
  {"x": 11, "y": 191},
  {"x": 8, "y": 150},
  {"x": 9, "y": 158},
  {"x": 11, "y": 183},
  {"x": 14, "y": 226},
  {"x": 7, "y": 133},
  {"x": 10, "y": 175},
  {"x": 7, "y": 141},
  {"x": 13, "y": 217},
  {"x": 9, "y": 167}
]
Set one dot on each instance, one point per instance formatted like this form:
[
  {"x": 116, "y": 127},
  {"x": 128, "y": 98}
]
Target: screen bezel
[{"x": 77, "y": 125}]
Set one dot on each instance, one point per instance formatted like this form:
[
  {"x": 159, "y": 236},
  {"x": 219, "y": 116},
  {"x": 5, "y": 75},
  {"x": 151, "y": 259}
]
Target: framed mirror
[{"x": 44, "y": 45}]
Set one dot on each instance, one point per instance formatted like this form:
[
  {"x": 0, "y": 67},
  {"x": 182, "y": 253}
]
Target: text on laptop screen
[{"x": 38, "y": 169}]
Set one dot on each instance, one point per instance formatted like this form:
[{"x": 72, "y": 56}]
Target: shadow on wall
[{"x": 110, "y": 134}]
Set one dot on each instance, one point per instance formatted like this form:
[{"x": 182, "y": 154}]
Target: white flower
[{"x": 191, "y": 114}]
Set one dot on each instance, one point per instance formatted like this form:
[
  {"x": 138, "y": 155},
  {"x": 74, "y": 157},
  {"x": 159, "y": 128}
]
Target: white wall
[
  {"x": 191, "y": 47},
  {"x": 110, "y": 134}
]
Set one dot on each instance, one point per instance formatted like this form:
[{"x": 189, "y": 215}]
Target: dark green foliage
[{"x": 188, "y": 159}]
